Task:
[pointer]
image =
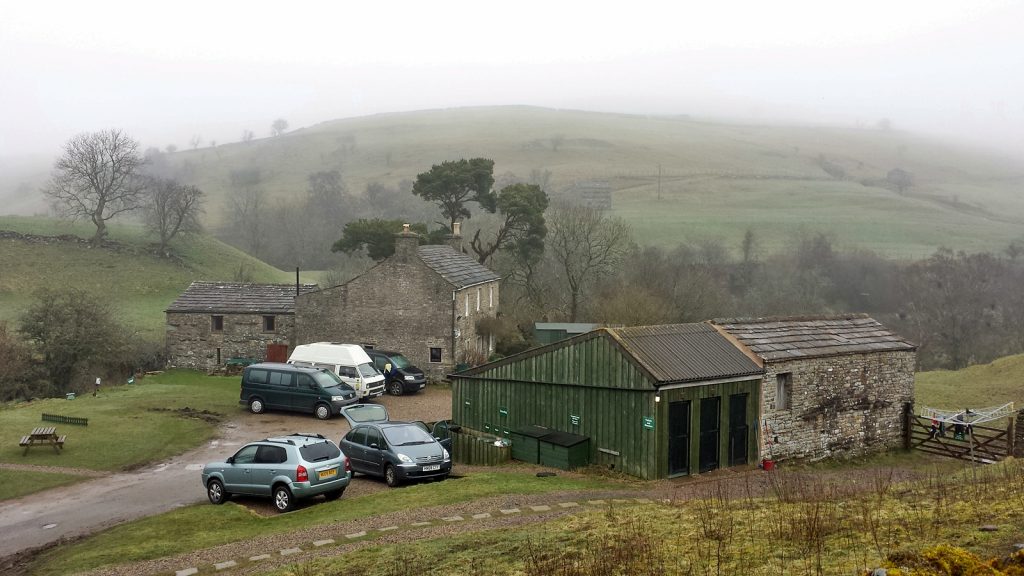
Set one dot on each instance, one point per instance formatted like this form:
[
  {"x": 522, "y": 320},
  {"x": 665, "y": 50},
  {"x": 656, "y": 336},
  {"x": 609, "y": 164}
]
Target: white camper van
[{"x": 349, "y": 361}]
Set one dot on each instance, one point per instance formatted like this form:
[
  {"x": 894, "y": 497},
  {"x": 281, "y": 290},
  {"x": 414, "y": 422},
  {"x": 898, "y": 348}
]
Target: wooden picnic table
[{"x": 43, "y": 435}]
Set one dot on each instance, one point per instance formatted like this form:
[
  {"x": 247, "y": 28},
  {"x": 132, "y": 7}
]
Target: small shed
[
  {"x": 651, "y": 401},
  {"x": 549, "y": 332}
]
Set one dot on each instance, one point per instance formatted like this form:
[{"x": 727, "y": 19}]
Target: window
[
  {"x": 478, "y": 299},
  {"x": 217, "y": 323},
  {"x": 373, "y": 437},
  {"x": 257, "y": 376},
  {"x": 435, "y": 355},
  {"x": 783, "y": 390},
  {"x": 271, "y": 455},
  {"x": 246, "y": 455},
  {"x": 490, "y": 292},
  {"x": 283, "y": 379},
  {"x": 269, "y": 324}
]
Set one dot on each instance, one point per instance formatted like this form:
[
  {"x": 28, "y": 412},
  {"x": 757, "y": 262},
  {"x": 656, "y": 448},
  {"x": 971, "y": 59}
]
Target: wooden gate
[{"x": 956, "y": 441}]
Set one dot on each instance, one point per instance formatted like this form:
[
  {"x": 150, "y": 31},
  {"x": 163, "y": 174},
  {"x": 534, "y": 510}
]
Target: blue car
[{"x": 286, "y": 468}]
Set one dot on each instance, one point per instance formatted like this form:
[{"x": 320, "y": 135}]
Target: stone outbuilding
[
  {"x": 214, "y": 321},
  {"x": 832, "y": 384},
  {"x": 427, "y": 302}
]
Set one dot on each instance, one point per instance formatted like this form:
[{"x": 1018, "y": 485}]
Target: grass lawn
[
  {"x": 205, "y": 525},
  {"x": 15, "y": 485},
  {"x": 129, "y": 425}
]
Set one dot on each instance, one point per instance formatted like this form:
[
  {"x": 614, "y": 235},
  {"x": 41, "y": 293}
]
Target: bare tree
[
  {"x": 171, "y": 148},
  {"x": 97, "y": 178},
  {"x": 172, "y": 208},
  {"x": 278, "y": 127},
  {"x": 247, "y": 135},
  {"x": 585, "y": 243},
  {"x": 196, "y": 141},
  {"x": 247, "y": 206}
]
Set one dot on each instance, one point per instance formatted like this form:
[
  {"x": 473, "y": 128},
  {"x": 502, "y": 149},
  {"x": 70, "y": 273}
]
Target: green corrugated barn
[{"x": 653, "y": 401}]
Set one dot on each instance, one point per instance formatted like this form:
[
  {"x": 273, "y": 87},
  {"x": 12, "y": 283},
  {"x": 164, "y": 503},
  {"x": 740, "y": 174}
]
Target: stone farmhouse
[
  {"x": 425, "y": 301},
  {"x": 832, "y": 384},
  {"x": 214, "y": 321}
]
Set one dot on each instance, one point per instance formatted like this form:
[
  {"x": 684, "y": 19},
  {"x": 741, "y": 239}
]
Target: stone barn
[
  {"x": 214, "y": 321},
  {"x": 427, "y": 302},
  {"x": 832, "y": 385}
]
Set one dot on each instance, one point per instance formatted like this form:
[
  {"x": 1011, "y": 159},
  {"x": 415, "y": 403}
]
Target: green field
[
  {"x": 161, "y": 415},
  {"x": 717, "y": 179},
  {"x": 140, "y": 284},
  {"x": 981, "y": 386}
]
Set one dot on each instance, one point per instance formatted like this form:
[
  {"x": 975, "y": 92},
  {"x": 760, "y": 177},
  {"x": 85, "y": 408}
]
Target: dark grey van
[
  {"x": 278, "y": 386},
  {"x": 400, "y": 376}
]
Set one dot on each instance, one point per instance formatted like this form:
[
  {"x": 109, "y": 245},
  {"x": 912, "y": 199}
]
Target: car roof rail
[
  {"x": 279, "y": 441},
  {"x": 308, "y": 435}
]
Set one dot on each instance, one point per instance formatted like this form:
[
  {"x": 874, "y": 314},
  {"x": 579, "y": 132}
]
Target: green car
[{"x": 287, "y": 468}]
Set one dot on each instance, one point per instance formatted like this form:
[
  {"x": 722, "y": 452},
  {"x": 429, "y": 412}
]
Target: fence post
[
  {"x": 1010, "y": 438},
  {"x": 908, "y": 424}
]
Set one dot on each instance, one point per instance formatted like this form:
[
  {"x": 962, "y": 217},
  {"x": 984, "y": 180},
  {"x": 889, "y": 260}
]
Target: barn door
[
  {"x": 738, "y": 429},
  {"x": 277, "y": 352},
  {"x": 678, "y": 438},
  {"x": 709, "y": 439}
]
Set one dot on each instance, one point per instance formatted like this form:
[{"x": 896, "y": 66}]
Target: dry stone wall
[{"x": 839, "y": 405}]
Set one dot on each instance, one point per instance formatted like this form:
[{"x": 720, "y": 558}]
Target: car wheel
[
  {"x": 216, "y": 493},
  {"x": 334, "y": 494},
  {"x": 395, "y": 388},
  {"x": 391, "y": 476},
  {"x": 283, "y": 500},
  {"x": 322, "y": 411},
  {"x": 256, "y": 406}
]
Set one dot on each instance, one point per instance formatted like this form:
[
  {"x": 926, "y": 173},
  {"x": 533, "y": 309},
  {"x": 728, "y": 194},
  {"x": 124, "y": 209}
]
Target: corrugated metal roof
[
  {"x": 457, "y": 268},
  {"x": 808, "y": 337},
  {"x": 238, "y": 298},
  {"x": 685, "y": 352}
]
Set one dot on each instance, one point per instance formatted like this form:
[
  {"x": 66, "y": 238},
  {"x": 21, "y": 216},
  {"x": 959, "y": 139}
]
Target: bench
[
  {"x": 25, "y": 441},
  {"x": 60, "y": 440},
  {"x": 43, "y": 436}
]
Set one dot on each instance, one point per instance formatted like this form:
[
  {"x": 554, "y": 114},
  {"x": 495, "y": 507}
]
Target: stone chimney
[
  {"x": 455, "y": 238},
  {"x": 406, "y": 242}
]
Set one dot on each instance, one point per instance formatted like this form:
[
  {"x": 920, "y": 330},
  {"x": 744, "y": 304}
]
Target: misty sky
[{"x": 166, "y": 72}]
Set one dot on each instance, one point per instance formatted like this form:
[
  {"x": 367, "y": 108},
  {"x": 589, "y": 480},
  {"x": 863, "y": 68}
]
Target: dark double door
[{"x": 709, "y": 451}]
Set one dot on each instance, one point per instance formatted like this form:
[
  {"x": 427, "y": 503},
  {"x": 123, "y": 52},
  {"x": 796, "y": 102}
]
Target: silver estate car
[{"x": 286, "y": 468}]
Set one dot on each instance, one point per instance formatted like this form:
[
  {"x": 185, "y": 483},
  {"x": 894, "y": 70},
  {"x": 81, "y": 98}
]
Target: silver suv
[{"x": 287, "y": 468}]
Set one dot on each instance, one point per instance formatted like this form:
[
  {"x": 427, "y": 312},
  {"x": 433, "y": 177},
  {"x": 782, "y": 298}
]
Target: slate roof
[
  {"x": 457, "y": 268},
  {"x": 569, "y": 327},
  {"x": 238, "y": 298},
  {"x": 810, "y": 337},
  {"x": 685, "y": 352}
]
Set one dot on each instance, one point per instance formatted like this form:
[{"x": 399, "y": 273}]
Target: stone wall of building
[
  {"x": 400, "y": 304},
  {"x": 192, "y": 343},
  {"x": 839, "y": 405}
]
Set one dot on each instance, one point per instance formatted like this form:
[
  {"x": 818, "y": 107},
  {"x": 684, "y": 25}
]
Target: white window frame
[
  {"x": 467, "y": 305},
  {"x": 478, "y": 299}
]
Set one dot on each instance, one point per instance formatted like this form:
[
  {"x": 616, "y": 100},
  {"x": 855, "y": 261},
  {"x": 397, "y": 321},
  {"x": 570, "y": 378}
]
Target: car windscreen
[
  {"x": 406, "y": 435},
  {"x": 327, "y": 379},
  {"x": 400, "y": 362},
  {"x": 319, "y": 451},
  {"x": 367, "y": 370}
]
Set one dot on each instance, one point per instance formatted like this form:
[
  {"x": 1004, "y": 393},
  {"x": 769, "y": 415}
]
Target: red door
[{"x": 277, "y": 352}]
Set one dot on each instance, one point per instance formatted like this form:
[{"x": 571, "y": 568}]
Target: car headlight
[
  {"x": 446, "y": 456},
  {"x": 410, "y": 377},
  {"x": 404, "y": 458},
  {"x": 337, "y": 398}
]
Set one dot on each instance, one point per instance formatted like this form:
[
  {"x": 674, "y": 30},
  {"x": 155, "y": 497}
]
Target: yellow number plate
[{"x": 325, "y": 474}]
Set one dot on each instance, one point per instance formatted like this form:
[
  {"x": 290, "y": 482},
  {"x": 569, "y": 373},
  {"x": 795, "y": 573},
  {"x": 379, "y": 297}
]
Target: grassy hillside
[
  {"x": 981, "y": 386},
  {"x": 717, "y": 179},
  {"x": 141, "y": 284}
]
